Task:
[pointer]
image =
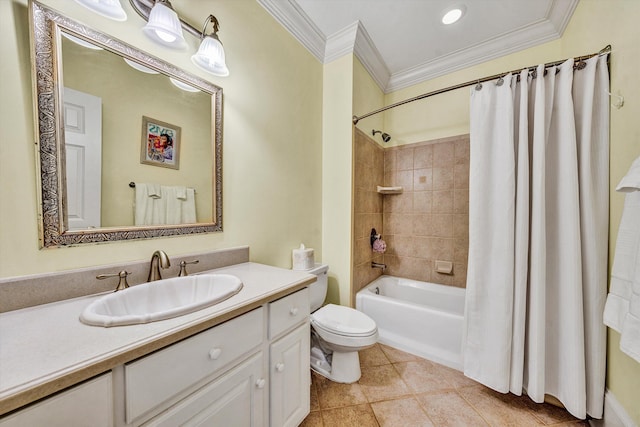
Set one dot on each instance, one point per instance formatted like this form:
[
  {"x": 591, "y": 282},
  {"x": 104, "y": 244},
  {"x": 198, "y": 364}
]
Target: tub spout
[{"x": 378, "y": 265}]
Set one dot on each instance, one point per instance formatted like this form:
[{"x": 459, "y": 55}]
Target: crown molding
[
  {"x": 545, "y": 30},
  {"x": 497, "y": 47},
  {"x": 341, "y": 43},
  {"x": 370, "y": 57},
  {"x": 288, "y": 14},
  {"x": 355, "y": 39}
]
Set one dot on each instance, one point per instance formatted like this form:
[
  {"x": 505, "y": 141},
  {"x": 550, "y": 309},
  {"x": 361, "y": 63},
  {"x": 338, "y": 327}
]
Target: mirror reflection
[
  {"x": 128, "y": 123},
  {"x": 129, "y": 146}
]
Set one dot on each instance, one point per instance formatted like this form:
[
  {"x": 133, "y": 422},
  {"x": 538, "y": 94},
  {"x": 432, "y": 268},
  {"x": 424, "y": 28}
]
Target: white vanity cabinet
[
  {"x": 249, "y": 371},
  {"x": 155, "y": 382},
  {"x": 235, "y": 399},
  {"x": 289, "y": 359},
  {"x": 89, "y": 404}
]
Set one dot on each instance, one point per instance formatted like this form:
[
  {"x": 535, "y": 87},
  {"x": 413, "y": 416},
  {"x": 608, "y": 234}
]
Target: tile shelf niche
[{"x": 389, "y": 190}]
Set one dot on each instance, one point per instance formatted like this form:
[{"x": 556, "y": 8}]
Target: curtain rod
[{"x": 606, "y": 50}]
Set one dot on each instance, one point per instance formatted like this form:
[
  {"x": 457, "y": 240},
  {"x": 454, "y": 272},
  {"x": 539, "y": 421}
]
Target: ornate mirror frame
[{"x": 46, "y": 26}]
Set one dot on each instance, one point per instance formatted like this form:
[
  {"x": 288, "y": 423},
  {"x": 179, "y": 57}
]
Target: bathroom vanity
[{"x": 244, "y": 361}]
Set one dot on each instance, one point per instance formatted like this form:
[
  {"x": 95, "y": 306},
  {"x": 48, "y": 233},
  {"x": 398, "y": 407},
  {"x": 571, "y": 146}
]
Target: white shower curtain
[{"x": 538, "y": 228}]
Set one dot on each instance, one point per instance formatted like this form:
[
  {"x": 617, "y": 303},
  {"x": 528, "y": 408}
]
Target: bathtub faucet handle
[{"x": 378, "y": 265}]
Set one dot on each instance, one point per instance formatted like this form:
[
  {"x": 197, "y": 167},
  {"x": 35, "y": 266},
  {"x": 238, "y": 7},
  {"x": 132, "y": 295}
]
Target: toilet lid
[{"x": 343, "y": 321}]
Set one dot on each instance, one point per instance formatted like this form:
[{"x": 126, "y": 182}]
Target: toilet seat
[{"x": 343, "y": 321}]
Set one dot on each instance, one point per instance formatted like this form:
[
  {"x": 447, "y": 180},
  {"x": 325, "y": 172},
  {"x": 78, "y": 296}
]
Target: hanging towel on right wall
[{"x": 622, "y": 309}]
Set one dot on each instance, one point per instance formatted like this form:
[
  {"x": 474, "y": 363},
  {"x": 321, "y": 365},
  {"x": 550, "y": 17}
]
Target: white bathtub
[{"x": 421, "y": 318}]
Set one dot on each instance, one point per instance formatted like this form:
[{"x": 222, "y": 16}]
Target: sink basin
[{"x": 159, "y": 300}]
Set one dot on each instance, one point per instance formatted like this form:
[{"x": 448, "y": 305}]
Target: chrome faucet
[
  {"x": 378, "y": 265},
  {"x": 158, "y": 259}
]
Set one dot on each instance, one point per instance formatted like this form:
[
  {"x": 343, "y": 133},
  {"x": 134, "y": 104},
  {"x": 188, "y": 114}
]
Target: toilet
[{"x": 337, "y": 334}]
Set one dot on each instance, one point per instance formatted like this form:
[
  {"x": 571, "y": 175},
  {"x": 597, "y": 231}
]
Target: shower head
[{"x": 385, "y": 136}]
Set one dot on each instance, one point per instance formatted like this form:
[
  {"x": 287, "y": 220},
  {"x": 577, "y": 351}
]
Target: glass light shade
[
  {"x": 177, "y": 83},
  {"x": 108, "y": 8},
  {"x": 80, "y": 41},
  {"x": 210, "y": 57},
  {"x": 164, "y": 26},
  {"x": 139, "y": 67}
]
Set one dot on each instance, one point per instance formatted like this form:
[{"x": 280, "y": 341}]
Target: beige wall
[
  {"x": 337, "y": 177},
  {"x": 272, "y": 141},
  {"x": 103, "y": 74}
]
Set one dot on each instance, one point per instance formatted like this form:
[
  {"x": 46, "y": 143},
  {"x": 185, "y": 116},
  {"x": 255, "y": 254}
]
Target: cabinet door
[
  {"x": 290, "y": 377},
  {"x": 235, "y": 399},
  {"x": 87, "y": 405}
]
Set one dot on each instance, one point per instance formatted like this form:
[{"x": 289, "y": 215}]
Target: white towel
[
  {"x": 179, "y": 210},
  {"x": 631, "y": 181},
  {"x": 154, "y": 190},
  {"x": 622, "y": 309},
  {"x": 181, "y": 193},
  {"x": 147, "y": 208},
  {"x": 164, "y": 205}
]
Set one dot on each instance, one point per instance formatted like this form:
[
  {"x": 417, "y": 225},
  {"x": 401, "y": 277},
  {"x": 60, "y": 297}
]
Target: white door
[{"x": 83, "y": 140}]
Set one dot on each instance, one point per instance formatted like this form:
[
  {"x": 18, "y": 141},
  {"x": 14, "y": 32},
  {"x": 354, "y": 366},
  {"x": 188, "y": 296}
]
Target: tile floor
[{"x": 400, "y": 389}]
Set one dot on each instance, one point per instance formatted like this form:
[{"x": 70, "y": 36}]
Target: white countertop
[{"x": 41, "y": 345}]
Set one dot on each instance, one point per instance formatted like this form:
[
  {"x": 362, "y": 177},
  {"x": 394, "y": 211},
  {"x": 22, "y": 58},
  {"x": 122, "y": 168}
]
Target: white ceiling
[{"x": 403, "y": 42}]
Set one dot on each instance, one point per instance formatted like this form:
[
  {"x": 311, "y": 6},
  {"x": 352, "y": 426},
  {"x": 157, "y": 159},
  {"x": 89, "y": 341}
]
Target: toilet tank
[{"x": 318, "y": 289}]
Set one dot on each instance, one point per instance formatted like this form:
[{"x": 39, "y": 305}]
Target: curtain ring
[
  {"x": 479, "y": 85},
  {"x": 500, "y": 82}
]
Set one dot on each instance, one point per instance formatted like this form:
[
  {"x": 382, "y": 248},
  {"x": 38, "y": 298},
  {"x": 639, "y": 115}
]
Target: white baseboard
[{"x": 614, "y": 414}]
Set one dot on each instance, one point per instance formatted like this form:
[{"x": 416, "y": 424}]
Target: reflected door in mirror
[{"x": 83, "y": 142}]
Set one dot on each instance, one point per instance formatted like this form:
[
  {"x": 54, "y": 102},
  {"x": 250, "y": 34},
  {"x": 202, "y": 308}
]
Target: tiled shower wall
[
  {"x": 368, "y": 174},
  {"x": 428, "y": 221}
]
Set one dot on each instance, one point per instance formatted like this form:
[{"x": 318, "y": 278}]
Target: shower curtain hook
[
  {"x": 479, "y": 85},
  {"x": 619, "y": 102}
]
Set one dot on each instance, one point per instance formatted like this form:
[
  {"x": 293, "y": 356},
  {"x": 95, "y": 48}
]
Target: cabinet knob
[
  {"x": 260, "y": 383},
  {"x": 214, "y": 353},
  {"x": 293, "y": 311},
  {"x": 279, "y": 367}
]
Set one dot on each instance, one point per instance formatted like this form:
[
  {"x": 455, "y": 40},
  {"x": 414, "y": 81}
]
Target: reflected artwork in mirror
[{"x": 93, "y": 95}]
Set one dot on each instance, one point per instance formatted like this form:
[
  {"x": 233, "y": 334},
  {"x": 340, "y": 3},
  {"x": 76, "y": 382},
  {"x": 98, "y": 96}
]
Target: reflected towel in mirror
[{"x": 176, "y": 205}]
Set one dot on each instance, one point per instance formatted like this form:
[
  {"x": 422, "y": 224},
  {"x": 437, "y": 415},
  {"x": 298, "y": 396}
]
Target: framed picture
[{"x": 160, "y": 145}]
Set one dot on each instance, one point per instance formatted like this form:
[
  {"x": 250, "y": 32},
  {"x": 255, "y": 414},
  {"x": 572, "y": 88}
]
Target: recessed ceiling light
[{"x": 453, "y": 15}]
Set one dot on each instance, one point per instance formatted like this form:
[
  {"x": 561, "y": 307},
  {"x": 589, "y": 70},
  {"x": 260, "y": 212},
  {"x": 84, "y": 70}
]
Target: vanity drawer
[
  {"x": 90, "y": 403},
  {"x": 163, "y": 375},
  {"x": 288, "y": 312}
]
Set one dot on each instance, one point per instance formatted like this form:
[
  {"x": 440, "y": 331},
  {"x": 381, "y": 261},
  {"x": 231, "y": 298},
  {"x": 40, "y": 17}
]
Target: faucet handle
[
  {"x": 183, "y": 267},
  {"x": 122, "y": 283}
]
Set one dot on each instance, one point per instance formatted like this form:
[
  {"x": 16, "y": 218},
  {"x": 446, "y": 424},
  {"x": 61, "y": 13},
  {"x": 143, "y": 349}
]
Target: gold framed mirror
[{"x": 96, "y": 62}]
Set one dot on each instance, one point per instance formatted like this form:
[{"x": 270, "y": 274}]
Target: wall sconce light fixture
[
  {"x": 165, "y": 27},
  {"x": 210, "y": 56},
  {"x": 108, "y": 8}
]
